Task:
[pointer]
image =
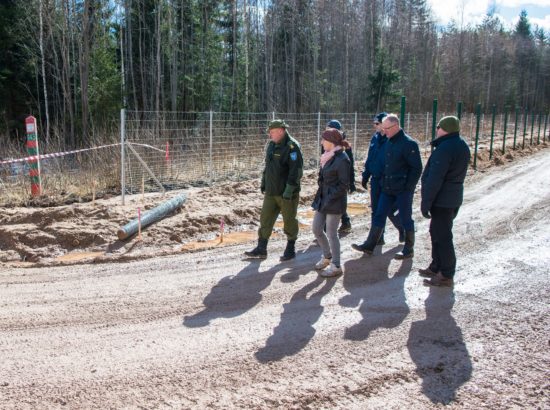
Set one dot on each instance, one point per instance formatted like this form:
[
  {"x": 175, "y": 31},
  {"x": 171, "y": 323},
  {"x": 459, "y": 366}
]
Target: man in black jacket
[
  {"x": 442, "y": 194},
  {"x": 402, "y": 169},
  {"x": 374, "y": 170}
]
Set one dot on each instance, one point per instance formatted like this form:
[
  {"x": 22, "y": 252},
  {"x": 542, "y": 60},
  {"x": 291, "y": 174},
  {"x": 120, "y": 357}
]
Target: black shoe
[
  {"x": 259, "y": 252},
  {"x": 345, "y": 227},
  {"x": 440, "y": 281},
  {"x": 290, "y": 252},
  {"x": 368, "y": 246},
  {"x": 408, "y": 248},
  {"x": 362, "y": 247},
  {"x": 427, "y": 273}
]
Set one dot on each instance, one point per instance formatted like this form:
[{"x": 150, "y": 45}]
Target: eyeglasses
[
  {"x": 387, "y": 128},
  {"x": 376, "y": 123}
]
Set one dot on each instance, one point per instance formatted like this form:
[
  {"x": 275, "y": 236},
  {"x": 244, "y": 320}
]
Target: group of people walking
[{"x": 392, "y": 170}]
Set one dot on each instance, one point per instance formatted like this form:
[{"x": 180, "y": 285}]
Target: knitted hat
[
  {"x": 334, "y": 124},
  {"x": 277, "y": 124},
  {"x": 333, "y": 135},
  {"x": 450, "y": 124},
  {"x": 380, "y": 116}
]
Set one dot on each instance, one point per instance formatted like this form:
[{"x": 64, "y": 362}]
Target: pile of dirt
[{"x": 45, "y": 234}]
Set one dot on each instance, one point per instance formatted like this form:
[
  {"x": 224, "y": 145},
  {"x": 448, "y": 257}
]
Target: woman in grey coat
[{"x": 331, "y": 200}]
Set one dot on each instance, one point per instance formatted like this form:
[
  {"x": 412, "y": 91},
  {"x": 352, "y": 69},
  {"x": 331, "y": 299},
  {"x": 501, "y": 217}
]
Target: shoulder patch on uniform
[{"x": 293, "y": 156}]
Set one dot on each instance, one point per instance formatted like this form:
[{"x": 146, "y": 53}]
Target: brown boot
[
  {"x": 439, "y": 280},
  {"x": 427, "y": 273}
]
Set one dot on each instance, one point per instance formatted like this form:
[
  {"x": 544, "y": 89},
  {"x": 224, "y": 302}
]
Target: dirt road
[{"x": 209, "y": 330}]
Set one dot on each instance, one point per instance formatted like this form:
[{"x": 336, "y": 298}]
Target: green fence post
[
  {"x": 525, "y": 121},
  {"x": 459, "y": 110},
  {"x": 478, "y": 119},
  {"x": 402, "y": 115},
  {"x": 492, "y": 131},
  {"x": 516, "y": 128},
  {"x": 538, "y": 132},
  {"x": 505, "y": 125},
  {"x": 532, "y": 127},
  {"x": 544, "y": 133},
  {"x": 434, "y": 120}
]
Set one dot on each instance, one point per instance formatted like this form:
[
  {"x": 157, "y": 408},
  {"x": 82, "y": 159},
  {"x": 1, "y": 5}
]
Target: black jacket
[
  {"x": 443, "y": 177},
  {"x": 283, "y": 167},
  {"x": 334, "y": 179},
  {"x": 402, "y": 164},
  {"x": 349, "y": 153}
]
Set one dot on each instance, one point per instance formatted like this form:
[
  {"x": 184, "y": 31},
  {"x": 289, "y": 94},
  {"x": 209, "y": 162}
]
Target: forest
[{"x": 75, "y": 63}]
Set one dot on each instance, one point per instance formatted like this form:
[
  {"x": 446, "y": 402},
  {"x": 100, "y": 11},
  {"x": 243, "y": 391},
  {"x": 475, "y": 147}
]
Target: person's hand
[
  {"x": 425, "y": 212},
  {"x": 287, "y": 194},
  {"x": 352, "y": 188},
  {"x": 262, "y": 189},
  {"x": 364, "y": 182}
]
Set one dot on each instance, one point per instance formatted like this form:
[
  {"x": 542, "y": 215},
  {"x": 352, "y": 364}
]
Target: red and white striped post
[{"x": 32, "y": 150}]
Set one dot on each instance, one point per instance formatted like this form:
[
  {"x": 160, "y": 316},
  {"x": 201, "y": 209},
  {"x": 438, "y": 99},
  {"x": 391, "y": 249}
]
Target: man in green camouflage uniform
[{"x": 281, "y": 188}]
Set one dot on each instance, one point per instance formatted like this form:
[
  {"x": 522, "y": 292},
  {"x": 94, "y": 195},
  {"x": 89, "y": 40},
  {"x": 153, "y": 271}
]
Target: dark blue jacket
[
  {"x": 402, "y": 164},
  {"x": 374, "y": 165},
  {"x": 443, "y": 178},
  {"x": 332, "y": 194}
]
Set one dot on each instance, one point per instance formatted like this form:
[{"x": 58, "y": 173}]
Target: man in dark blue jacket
[
  {"x": 402, "y": 169},
  {"x": 442, "y": 193},
  {"x": 374, "y": 168}
]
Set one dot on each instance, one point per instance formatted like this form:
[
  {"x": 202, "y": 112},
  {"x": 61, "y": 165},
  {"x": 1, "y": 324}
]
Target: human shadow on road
[
  {"x": 236, "y": 294},
  {"x": 233, "y": 295},
  {"x": 295, "y": 328},
  {"x": 437, "y": 348},
  {"x": 381, "y": 299}
]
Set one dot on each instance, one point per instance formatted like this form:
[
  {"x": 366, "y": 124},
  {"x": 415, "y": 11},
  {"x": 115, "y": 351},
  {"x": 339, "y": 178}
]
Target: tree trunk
[{"x": 43, "y": 63}]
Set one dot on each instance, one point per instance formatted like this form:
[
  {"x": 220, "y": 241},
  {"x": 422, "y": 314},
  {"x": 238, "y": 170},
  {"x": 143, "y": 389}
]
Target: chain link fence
[{"x": 170, "y": 150}]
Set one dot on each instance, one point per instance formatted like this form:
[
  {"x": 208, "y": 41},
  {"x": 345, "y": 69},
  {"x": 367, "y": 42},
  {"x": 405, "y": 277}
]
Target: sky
[{"x": 538, "y": 11}]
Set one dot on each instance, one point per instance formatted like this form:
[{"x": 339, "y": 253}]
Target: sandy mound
[{"x": 84, "y": 231}]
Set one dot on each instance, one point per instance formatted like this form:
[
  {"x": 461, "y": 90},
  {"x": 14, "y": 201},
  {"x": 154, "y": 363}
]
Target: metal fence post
[
  {"x": 123, "y": 153},
  {"x": 516, "y": 128},
  {"x": 402, "y": 114},
  {"x": 210, "y": 170},
  {"x": 409, "y": 121},
  {"x": 272, "y": 115},
  {"x": 472, "y": 124},
  {"x": 427, "y": 122},
  {"x": 545, "y": 124},
  {"x": 459, "y": 110},
  {"x": 478, "y": 115},
  {"x": 355, "y": 133},
  {"x": 318, "y": 137},
  {"x": 434, "y": 119},
  {"x": 505, "y": 126},
  {"x": 525, "y": 121},
  {"x": 492, "y": 131},
  {"x": 533, "y": 115},
  {"x": 538, "y": 132}
]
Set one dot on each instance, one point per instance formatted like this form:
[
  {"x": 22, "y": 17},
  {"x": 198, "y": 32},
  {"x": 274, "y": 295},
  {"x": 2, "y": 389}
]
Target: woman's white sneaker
[
  {"x": 331, "y": 271},
  {"x": 322, "y": 264}
]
